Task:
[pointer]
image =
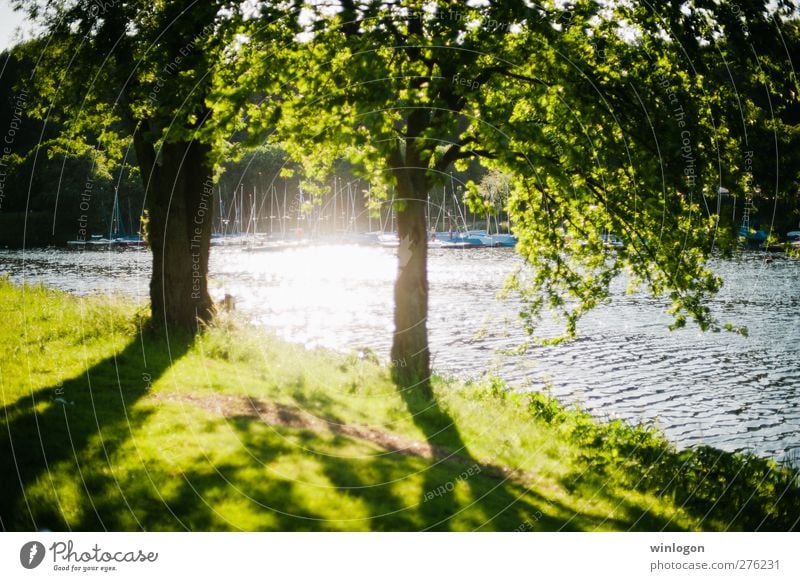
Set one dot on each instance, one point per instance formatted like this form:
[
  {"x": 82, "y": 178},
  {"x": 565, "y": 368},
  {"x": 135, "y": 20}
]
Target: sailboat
[
  {"x": 496, "y": 239},
  {"x": 117, "y": 233},
  {"x": 454, "y": 238},
  {"x": 457, "y": 235},
  {"x": 117, "y": 238}
]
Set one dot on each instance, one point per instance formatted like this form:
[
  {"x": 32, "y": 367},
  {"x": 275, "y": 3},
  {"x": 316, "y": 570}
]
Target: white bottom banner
[{"x": 400, "y": 556}]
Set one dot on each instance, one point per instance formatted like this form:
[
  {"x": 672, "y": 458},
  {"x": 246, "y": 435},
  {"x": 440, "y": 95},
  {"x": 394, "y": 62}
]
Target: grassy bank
[{"x": 108, "y": 427}]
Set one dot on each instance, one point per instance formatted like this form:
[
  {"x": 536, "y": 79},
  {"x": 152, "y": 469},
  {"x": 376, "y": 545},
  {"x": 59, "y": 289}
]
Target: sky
[{"x": 9, "y": 22}]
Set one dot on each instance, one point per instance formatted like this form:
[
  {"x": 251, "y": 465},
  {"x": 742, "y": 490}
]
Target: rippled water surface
[{"x": 721, "y": 389}]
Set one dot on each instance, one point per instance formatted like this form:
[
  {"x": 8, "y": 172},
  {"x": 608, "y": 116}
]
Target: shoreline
[
  {"x": 700, "y": 388},
  {"x": 237, "y": 429}
]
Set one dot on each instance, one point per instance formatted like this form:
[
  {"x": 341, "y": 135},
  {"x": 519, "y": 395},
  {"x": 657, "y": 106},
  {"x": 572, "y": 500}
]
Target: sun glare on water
[{"x": 312, "y": 294}]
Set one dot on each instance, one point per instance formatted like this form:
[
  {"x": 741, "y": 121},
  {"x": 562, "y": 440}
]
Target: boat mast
[
  {"x": 221, "y": 211},
  {"x": 253, "y": 212},
  {"x": 460, "y": 213},
  {"x": 241, "y": 209},
  {"x": 369, "y": 206},
  {"x": 114, "y": 226},
  {"x": 392, "y": 211},
  {"x": 299, "y": 207},
  {"x": 334, "y": 205},
  {"x": 428, "y": 213},
  {"x": 271, "y": 207},
  {"x": 284, "y": 215},
  {"x": 351, "y": 194}
]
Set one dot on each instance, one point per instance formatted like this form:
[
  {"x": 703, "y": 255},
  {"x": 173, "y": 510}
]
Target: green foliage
[
  {"x": 544, "y": 406},
  {"x": 600, "y": 116},
  {"x": 259, "y": 166},
  {"x": 490, "y": 195},
  {"x": 589, "y": 166},
  {"x": 107, "y": 86},
  {"x": 47, "y": 176},
  {"x": 396, "y": 88}
]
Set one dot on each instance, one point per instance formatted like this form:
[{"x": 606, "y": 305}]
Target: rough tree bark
[
  {"x": 179, "y": 190},
  {"x": 410, "y": 353}
]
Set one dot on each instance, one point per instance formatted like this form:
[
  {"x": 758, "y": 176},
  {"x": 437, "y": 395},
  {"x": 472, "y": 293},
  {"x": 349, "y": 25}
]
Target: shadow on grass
[
  {"x": 715, "y": 489},
  {"x": 508, "y": 504},
  {"x": 212, "y": 494},
  {"x": 248, "y": 484},
  {"x": 721, "y": 490},
  {"x": 57, "y": 425}
]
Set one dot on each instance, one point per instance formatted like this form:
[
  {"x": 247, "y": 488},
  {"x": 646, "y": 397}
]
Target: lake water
[{"x": 722, "y": 389}]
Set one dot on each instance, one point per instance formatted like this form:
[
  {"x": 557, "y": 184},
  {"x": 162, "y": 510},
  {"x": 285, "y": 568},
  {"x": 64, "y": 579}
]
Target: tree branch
[{"x": 456, "y": 151}]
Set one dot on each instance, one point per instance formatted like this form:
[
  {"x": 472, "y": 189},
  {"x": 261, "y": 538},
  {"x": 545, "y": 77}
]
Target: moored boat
[{"x": 95, "y": 242}]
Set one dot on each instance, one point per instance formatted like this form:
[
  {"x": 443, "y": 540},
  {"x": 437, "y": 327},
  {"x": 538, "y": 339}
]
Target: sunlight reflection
[{"x": 312, "y": 294}]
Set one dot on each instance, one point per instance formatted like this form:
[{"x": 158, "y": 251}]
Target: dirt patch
[{"x": 278, "y": 414}]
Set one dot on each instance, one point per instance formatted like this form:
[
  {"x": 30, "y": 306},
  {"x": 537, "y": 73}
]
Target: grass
[{"x": 108, "y": 427}]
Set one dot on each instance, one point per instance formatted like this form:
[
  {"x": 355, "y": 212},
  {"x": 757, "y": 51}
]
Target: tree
[
  {"x": 405, "y": 89},
  {"x": 608, "y": 133},
  {"x": 39, "y": 174},
  {"x": 137, "y": 78},
  {"x": 748, "y": 53},
  {"x": 385, "y": 86},
  {"x": 491, "y": 194}
]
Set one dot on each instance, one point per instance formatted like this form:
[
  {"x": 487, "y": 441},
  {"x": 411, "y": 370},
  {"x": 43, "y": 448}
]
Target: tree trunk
[
  {"x": 410, "y": 353},
  {"x": 180, "y": 204}
]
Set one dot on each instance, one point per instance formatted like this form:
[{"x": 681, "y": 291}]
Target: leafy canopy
[{"x": 599, "y": 113}]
